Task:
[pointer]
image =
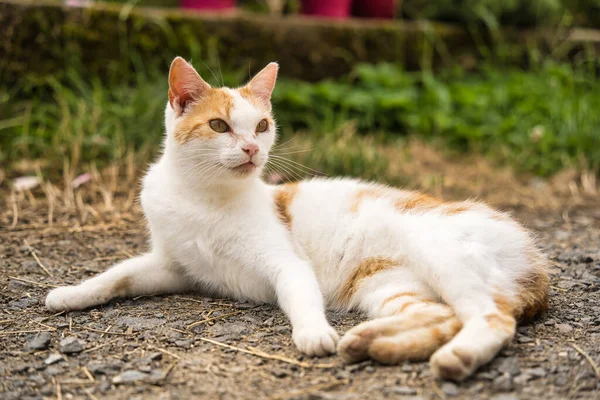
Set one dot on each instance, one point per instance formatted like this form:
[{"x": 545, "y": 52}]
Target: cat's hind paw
[
  {"x": 452, "y": 363},
  {"x": 316, "y": 341}
]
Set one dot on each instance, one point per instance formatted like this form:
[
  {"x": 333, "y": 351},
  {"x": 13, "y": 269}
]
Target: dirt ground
[{"x": 189, "y": 346}]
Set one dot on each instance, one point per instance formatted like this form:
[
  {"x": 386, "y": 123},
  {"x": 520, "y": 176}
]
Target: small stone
[
  {"x": 564, "y": 284},
  {"x": 155, "y": 356},
  {"x": 564, "y": 328},
  {"x": 281, "y": 329},
  {"x": 449, "y": 389},
  {"x": 524, "y": 339},
  {"x": 186, "y": 344},
  {"x": 510, "y": 366},
  {"x": 522, "y": 379},
  {"x": 477, "y": 388},
  {"x": 23, "y": 303},
  {"x": 41, "y": 341},
  {"x": 30, "y": 266},
  {"x": 53, "y": 358},
  {"x": 54, "y": 370},
  {"x": 104, "y": 368},
  {"x": 402, "y": 390},
  {"x": 561, "y": 380},
  {"x": 342, "y": 374},
  {"x": 37, "y": 379},
  {"x": 156, "y": 377},
  {"x": 70, "y": 345},
  {"x": 104, "y": 386},
  {"x": 488, "y": 375},
  {"x": 20, "y": 368},
  {"x": 504, "y": 397},
  {"x": 537, "y": 372},
  {"x": 370, "y": 369},
  {"x": 245, "y": 306},
  {"x": 129, "y": 377},
  {"x": 503, "y": 383},
  {"x": 279, "y": 373},
  {"x": 587, "y": 386}
]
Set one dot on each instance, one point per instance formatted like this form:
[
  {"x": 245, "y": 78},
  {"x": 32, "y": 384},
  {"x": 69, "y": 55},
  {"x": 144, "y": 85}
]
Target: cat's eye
[
  {"x": 262, "y": 126},
  {"x": 218, "y": 125}
]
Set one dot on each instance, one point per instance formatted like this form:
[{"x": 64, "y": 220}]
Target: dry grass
[{"x": 108, "y": 200}]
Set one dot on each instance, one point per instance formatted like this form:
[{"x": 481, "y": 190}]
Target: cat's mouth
[{"x": 245, "y": 168}]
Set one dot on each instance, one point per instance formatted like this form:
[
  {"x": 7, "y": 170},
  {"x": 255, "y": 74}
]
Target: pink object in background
[
  {"x": 374, "y": 8},
  {"x": 329, "y": 8},
  {"x": 209, "y": 4}
]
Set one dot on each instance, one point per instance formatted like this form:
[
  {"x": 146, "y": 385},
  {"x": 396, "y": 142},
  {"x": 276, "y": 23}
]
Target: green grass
[{"x": 538, "y": 121}]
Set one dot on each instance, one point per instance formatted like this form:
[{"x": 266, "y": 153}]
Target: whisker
[
  {"x": 283, "y": 144},
  {"x": 294, "y": 152},
  {"x": 284, "y": 175},
  {"x": 288, "y": 170},
  {"x": 299, "y": 165}
]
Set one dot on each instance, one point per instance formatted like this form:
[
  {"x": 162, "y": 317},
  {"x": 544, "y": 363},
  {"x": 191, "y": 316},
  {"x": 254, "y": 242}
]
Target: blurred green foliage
[
  {"x": 539, "y": 120},
  {"x": 506, "y": 12}
]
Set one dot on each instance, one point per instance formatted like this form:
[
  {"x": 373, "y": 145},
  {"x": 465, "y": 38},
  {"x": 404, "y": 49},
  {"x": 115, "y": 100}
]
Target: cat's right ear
[{"x": 185, "y": 85}]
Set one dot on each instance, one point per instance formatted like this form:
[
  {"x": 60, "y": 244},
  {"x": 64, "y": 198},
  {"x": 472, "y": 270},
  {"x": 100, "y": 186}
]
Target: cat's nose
[{"x": 250, "y": 148}]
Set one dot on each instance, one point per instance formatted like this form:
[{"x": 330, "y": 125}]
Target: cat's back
[{"x": 329, "y": 202}]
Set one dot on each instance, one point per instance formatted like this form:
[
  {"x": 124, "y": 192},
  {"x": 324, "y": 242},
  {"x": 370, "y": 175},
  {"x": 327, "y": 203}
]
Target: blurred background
[{"x": 497, "y": 99}]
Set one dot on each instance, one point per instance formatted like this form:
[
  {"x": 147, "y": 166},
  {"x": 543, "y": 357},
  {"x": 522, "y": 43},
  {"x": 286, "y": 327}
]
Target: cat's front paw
[
  {"x": 66, "y": 298},
  {"x": 316, "y": 340}
]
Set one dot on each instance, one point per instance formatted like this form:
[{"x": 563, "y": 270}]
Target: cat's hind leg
[
  {"x": 409, "y": 321},
  {"x": 145, "y": 274}
]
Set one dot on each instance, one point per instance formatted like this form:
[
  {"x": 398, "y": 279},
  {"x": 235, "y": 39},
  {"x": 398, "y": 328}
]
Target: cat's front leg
[
  {"x": 299, "y": 296},
  {"x": 145, "y": 274}
]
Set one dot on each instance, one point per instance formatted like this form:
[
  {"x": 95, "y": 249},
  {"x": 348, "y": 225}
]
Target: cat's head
[{"x": 219, "y": 134}]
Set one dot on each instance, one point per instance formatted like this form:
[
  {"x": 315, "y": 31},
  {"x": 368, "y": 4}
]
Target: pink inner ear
[
  {"x": 263, "y": 83},
  {"x": 185, "y": 85}
]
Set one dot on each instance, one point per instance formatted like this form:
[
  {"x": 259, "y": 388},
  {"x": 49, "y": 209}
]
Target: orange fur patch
[
  {"x": 249, "y": 96},
  {"x": 418, "y": 202},
  {"x": 397, "y": 296},
  {"x": 406, "y": 201},
  {"x": 501, "y": 322},
  {"x": 283, "y": 197},
  {"x": 365, "y": 269},
  {"x": 456, "y": 208},
  {"x": 215, "y": 103},
  {"x": 505, "y": 318},
  {"x": 419, "y": 344},
  {"x": 371, "y": 192},
  {"x": 122, "y": 287},
  {"x": 534, "y": 288}
]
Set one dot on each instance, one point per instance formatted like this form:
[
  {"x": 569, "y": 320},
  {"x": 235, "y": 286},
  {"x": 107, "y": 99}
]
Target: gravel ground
[{"x": 189, "y": 346}]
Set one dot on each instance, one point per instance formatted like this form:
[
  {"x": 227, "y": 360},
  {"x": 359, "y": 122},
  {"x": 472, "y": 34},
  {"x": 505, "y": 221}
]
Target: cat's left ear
[{"x": 263, "y": 83}]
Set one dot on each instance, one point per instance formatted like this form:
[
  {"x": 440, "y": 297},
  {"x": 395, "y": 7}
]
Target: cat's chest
[
  {"x": 207, "y": 237},
  {"x": 217, "y": 260}
]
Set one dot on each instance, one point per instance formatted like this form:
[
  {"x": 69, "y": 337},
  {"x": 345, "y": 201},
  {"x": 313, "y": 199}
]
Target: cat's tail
[{"x": 459, "y": 339}]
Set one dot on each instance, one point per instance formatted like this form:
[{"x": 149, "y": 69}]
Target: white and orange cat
[{"x": 440, "y": 280}]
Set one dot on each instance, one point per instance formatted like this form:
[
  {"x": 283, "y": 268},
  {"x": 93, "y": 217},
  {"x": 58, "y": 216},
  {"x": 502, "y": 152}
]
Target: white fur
[{"x": 214, "y": 230}]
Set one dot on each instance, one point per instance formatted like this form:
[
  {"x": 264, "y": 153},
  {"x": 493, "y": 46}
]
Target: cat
[{"x": 441, "y": 280}]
